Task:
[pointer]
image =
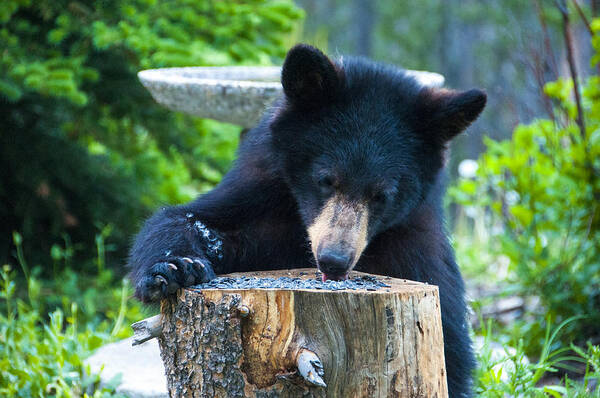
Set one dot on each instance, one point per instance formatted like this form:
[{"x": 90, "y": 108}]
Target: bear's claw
[{"x": 166, "y": 277}]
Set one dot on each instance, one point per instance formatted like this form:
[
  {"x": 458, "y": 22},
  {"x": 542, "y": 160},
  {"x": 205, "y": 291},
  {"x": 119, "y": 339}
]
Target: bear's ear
[
  {"x": 447, "y": 113},
  {"x": 308, "y": 77}
]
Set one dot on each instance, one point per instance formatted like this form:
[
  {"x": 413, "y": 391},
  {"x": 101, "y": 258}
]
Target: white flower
[
  {"x": 512, "y": 198},
  {"x": 471, "y": 211},
  {"x": 467, "y": 168}
]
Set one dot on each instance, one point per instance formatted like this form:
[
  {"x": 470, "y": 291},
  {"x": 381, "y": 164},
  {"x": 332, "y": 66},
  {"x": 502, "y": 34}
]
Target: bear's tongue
[{"x": 334, "y": 277}]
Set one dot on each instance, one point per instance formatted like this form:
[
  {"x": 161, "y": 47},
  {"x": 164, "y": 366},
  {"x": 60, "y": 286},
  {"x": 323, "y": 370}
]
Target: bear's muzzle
[{"x": 338, "y": 236}]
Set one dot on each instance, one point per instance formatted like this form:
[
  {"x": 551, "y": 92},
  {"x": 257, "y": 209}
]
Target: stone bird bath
[{"x": 232, "y": 94}]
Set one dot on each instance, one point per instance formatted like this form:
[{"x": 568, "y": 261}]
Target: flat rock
[{"x": 141, "y": 368}]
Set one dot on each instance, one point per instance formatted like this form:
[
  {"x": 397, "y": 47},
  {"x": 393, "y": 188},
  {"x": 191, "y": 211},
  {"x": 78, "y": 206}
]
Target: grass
[
  {"x": 513, "y": 375},
  {"x": 519, "y": 372},
  {"x": 48, "y": 326}
]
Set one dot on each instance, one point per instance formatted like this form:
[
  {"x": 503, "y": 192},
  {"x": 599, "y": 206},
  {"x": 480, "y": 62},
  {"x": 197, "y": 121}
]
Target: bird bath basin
[{"x": 232, "y": 94}]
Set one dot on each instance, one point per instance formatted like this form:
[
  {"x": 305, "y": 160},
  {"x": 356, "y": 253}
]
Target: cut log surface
[{"x": 304, "y": 343}]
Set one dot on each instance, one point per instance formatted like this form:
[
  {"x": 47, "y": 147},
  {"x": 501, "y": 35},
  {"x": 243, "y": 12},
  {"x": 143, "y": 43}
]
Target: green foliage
[
  {"x": 511, "y": 374},
  {"x": 100, "y": 296},
  {"x": 541, "y": 191},
  {"x": 592, "y": 373},
  {"x": 44, "y": 358},
  {"x": 82, "y": 144},
  {"x": 50, "y": 44},
  {"x": 48, "y": 327}
]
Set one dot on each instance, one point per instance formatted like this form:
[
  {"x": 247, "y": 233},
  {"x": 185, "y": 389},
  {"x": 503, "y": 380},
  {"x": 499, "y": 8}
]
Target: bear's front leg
[
  {"x": 221, "y": 231},
  {"x": 173, "y": 250}
]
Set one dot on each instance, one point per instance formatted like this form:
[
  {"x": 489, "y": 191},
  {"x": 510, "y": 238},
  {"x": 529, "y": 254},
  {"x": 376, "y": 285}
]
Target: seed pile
[{"x": 366, "y": 282}]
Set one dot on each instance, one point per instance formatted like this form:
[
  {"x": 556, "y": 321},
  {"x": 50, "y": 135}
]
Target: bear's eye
[
  {"x": 379, "y": 198},
  {"x": 326, "y": 185}
]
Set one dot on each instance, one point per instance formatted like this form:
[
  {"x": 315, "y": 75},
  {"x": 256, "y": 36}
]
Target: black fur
[{"x": 374, "y": 131}]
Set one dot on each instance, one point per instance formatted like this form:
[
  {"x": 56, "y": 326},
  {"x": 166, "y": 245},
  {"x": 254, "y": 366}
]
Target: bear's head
[{"x": 361, "y": 145}]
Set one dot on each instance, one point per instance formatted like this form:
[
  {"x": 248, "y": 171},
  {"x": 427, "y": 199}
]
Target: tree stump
[{"x": 304, "y": 343}]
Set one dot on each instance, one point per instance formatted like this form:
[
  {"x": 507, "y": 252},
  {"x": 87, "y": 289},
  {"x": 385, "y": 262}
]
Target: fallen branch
[{"x": 146, "y": 329}]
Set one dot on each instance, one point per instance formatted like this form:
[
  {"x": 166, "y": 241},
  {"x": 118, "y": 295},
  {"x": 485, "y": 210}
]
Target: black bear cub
[{"x": 343, "y": 172}]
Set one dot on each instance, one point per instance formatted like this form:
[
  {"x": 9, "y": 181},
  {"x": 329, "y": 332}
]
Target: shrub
[
  {"x": 44, "y": 356},
  {"x": 48, "y": 327},
  {"x": 81, "y": 141},
  {"x": 541, "y": 192}
]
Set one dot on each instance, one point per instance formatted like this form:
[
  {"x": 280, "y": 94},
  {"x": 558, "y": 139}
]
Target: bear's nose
[{"x": 333, "y": 261}]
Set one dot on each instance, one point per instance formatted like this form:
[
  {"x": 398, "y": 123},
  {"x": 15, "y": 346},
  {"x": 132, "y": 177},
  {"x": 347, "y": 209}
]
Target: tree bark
[{"x": 291, "y": 343}]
